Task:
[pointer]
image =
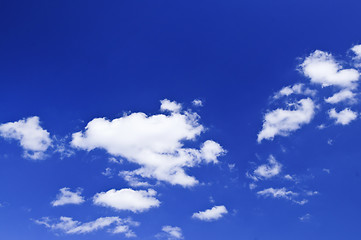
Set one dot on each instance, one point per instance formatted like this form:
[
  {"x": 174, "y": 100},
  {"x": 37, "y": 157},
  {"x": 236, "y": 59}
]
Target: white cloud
[
  {"x": 282, "y": 122},
  {"x": 341, "y": 96},
  {"x": 305, "y": 217},
  {"x": 288, "y": 177},
  {"x": 171, "y": 106},
  {"x": 132, "y": 179},
  {"x": 108, "y": 172},
  {"x": 68, "y": 197},
  {"x": 32, "y": 137},
  {"x": 210, "y": 151},
  {"x": 114, "y": 160},
  {"x": 211, "y": 214},
  {"x": 269, "y": 170},
  {"x": 323, "y": 69},
  {"x": 343, "y": 117},
  {"x": 197, "y": 102},
  {"x": 357, "y": 50},
  {"x": 154, "y": 142},
  {"x": 171, "y": 233},
  {"x": 70, "y": 226},
  {"x": 127, "y": 199},
  {"x": 295, "y": 89},
  {"x": 277, "y": 193}
]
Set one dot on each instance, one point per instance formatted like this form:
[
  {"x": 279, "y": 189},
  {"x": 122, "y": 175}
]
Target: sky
[{"x": 180, "y": 120}]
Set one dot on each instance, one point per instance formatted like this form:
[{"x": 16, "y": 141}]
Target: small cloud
[
  {"x": 326, "y": 170},
  {"x": 171, "y": 106},
  {"x": 170, "y": 233},
  {"x": 69, "y": 226},
  {"x": 330, "y": 142},
  {"x": 211, "y": 214},
  {"x": 231, "y": 166},
  {"x": 284, "y": 121},
  {"x": 342, "y": 96},
  {"x": 343, "y": 117},
  {"x": 108, "y": 173},
  {"x": 252, "y": 186},
  {"x": 269, "y": 170},
  {"x": 305, "y": 217},
  {"x": 127, "y": 199},
  {"x": 68, "y": 197},
  {"x": 32, "y": 137},
  {"x": 197, "y": 103},
  {"x": 288, "y": 177},
  {"x": 114, "y": 160}
]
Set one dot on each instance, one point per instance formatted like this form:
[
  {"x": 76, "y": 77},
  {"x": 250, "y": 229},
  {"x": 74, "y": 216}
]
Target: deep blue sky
[{"x": 71, "y": 61}]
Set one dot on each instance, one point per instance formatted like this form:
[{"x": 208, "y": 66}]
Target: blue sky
[{"x": 180, "y": 120}]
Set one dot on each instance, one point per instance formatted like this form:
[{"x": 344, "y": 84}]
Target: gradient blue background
[{"x": 70, "y": 61}]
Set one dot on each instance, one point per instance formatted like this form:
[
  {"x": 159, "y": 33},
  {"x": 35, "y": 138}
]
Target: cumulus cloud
[
  {"x": 295, "y": 89},
  {"x": 127, "y": 199},
  {"x": 212, "y": 214},
  {"x": 343, "y": 117},
  {"x": 32, "y": 137},
  {"x": 70, "y": 226},
  {"x": 343, "y": 95},
  {"x": 68, "y": 197},
  {"x": 322, "y": 68},
  {"x": 269, "y": 170},
  {"x": 171, "y": 106},
  {"x": 170, "y": 233},
  {"x": 283, "y": 121},
  {"x": 156, "y": 143}
]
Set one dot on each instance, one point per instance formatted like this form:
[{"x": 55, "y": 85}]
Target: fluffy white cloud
[
  {"x": 68, "y": 197},
  {"x": 171, "y": 106},
  {"x": 343, "y": 117},
  {"x": 323, "y": 69},
  {"x": 341, "y": 96},
  {"x": 70, "y": 226},
  {"x": 295, "y": 89},
  {"x": 127, "y": 199},
  {"x": 282, "y": 122},
  {"x": 154, "y": 142},
  {"x": 277, "y": 193},
  {"x": 212, "y": 214},
  {"x": 171, "y": 233},
  {"x": 269, "y": 170},
  {"x": 32, "y": 137}
]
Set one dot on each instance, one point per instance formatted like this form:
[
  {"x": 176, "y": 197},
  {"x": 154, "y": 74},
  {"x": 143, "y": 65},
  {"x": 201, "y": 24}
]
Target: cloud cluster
[
  {"x": 32, "y": 137},
  {"x": 212, "y": 214},
  {"x": 69, "y": 226},
  {"x": 156, "y": 143}
]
